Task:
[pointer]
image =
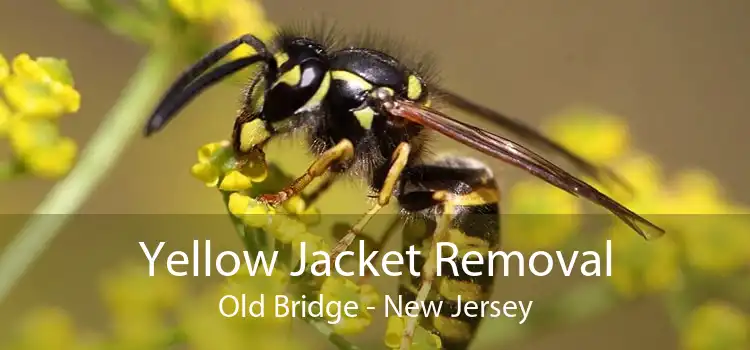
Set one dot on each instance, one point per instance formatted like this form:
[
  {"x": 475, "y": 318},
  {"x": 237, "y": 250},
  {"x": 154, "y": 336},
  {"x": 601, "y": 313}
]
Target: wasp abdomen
[{"x": 466, "y": 190}]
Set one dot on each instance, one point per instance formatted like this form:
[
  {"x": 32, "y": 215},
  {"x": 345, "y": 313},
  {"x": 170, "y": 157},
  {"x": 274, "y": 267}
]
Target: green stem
[{"x": 118, "y": 128}]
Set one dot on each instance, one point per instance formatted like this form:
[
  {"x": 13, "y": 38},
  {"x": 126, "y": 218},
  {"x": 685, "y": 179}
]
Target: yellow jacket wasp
[{"x": 366, "y": 114}]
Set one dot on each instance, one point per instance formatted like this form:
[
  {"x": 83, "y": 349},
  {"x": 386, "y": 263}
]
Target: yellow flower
[
  {"x": 206, "y": 173},
  {"x": 207, "y": 329},
  {"x": 542, "y": 216},
  {"x": 41, "y": 88},
  {"x": 294, "y": 205},
  {"x": 250, "y": 211},
  {"x": 261, "y": 286},
  {"x": 345, "y": 291},
  {"x": 643, "y": 173},
  {"x": 232, "y": 18},
  {"x": 48, "y": 328},
  {"x": 297, "y": 206},
  {"x": 130, "y": 289},
  {"x": 208, "y": 169},
  {"x": 37, "y": 92},
  {"x": 697, "y": 192},
  {"x": 423, "y": 339},
  {"x": 215, "y": 161},
  {"x": 6, "y": 116},
  {"x": 311, "y": 216},
  {"x": 54, "y": 161},
  {"x": 201, "y": 11},
  {"x": 714, "y": 239},
  {"x": 244, "y": 17},
  {"x": 276, "y": 282},
  {"x": 41, "y": 148},
  {"x": 137, "y": 303},
  {"x": 235, "y": 181},
  {"x": 139, "y": 330},
  {"x": 207, "y": 152},
  {"x": 44, "y": 69},
  {"x": 313, "y": 243},
  {"x": 288, "y": 229},
  {"x": 26, "y": 135},
  {"x": 4, "y": 69},
  {"x": 716, "y": 326},
  {"x": 596, "y": 136},
  {"x": 717, "y": 244},
  {"x": 640, "y": 266}
]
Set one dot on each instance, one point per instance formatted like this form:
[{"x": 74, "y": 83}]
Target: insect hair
[{"x": 330, "y": 35}]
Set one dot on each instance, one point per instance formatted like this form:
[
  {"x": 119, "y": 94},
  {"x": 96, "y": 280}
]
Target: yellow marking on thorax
[
  {"x": 352, "y": 78},
  {"x": 365, "y": 117},
  {"x": 413, "y": 88},
  {"x": 252, "y": 134},
  {"x": 291, "y": 77}
]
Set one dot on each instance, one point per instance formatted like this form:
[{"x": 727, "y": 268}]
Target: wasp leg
[
  {"x": 457, "y": 201},
  {"x": 398, "y": 163},
  {"x": 341, "y": 152},
  {"x": 429, "y": 270},
  {"x": 314, "y": 195}
]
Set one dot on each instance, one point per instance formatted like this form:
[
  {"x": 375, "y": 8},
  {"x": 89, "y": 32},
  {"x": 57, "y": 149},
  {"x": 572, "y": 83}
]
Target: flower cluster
[
  {"x": 37, "y": 92},
  {"x": 690, "y": 207},
  {"x": 344, "y": 290},
  {"x": 286, "y": 225},
  {"x": 159, "y": 312},
  {"x": 423, "y": 340},
  {"x": 217, "y": 168},
  {"x": 706, "y": 238},
  {"x": 231, "y": 18},
  {"x": 541, "y": 216},
  {"x": 190, "y": 27},
  {"x": 716, "y": 325}
]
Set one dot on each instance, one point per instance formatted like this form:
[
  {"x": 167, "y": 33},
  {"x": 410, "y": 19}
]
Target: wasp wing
[
  {"x": 517, "y": 155},
  {"x": 527, "y": 133}
]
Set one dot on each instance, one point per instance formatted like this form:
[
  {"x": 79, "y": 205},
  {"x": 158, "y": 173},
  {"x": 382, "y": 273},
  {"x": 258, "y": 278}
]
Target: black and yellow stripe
[{"x": 473, "y": 199}]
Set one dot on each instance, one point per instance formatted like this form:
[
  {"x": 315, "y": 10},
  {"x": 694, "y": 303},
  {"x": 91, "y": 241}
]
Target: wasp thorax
[{"x": 302, "y": 81}]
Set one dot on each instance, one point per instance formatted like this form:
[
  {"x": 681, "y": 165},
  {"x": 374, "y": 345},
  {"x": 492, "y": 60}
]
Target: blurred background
[{"x": 675, "y": 71}]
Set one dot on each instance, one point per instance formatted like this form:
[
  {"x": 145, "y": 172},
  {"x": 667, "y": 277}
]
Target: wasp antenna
[
  {"x": 169, "y": 108},
  {"x": 190, "y": 82}
]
